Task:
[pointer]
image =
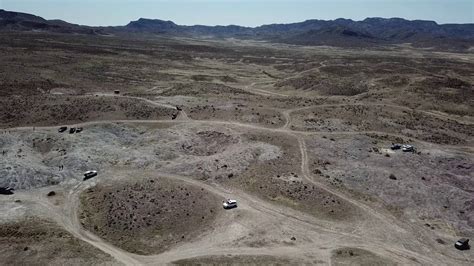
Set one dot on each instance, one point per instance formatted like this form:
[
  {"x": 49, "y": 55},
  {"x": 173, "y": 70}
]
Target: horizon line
[{"x": 255, "y": 26}]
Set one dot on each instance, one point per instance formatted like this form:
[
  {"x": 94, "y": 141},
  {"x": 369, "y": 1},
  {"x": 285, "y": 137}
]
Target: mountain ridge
[{"x": 339, "y": 32}]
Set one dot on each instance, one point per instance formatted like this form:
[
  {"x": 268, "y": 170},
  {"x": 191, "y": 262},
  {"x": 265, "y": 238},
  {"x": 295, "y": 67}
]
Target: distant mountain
[
  {"x": 16, "y": 21},
  {"x": 339, "y": 32},
  {"x": 153, "y": 26}
]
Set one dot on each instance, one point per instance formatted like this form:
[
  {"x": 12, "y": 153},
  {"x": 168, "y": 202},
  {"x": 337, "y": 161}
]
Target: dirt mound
[
  {"x": 217, "y": 153},
  {"x": 239, "y": 113},
  {"x": 410, "y": 123},
  {"x": 432, "y": 186},
  {"x": 33, "y": 241},
  {"x": 208, "y": 143},
  {"x": 326, "y": 86},
  {"x": 357, "y": 256},
  {"x": 449, "y": 94},
  {"x": 238, "y": 260},
  {"x": 53, "y": 110},
  {"x": 394, "y": 81},
  {"x": 149, "y": 216},
  {"x": 201, "y": 88},
  {"x": 27, "y": 88},
  {"x": 303, "y": 196},
  {"x": 33, "y": 158},
  {"x": 213, "y": 78},
  {"x": 280, "y": 180}
]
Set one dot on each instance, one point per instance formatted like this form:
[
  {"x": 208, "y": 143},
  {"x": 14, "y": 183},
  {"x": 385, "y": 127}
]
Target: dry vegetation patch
[
  {"x": 383, "y": 118},
  {"x": 280, "y": 180},
  {"x": 148, "y": 216},
  {"x": 53, "y": 110},
  {"x": 201, "y": 88},
  {"x": 327, "y": 86},
  {"x": 238, "y": 113},
  {"x": 238, "y": 260},
  {"x": 33, "y": 241},
  {"x": 429, "y": 185},
  {"x": 357, "y": 256}
]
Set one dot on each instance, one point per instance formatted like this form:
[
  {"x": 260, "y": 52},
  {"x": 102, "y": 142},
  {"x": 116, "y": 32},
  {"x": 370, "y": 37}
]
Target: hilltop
[{"x": 340, "y": 32}]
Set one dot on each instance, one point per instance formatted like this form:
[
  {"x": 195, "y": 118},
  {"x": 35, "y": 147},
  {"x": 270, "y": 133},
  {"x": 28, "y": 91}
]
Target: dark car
[
  {"x": 89, "y": 174},
  {"x": 62, "y": 129},
  {"x": 6, "y": 191},
  {"x": 72, "y": 130},
  {"x": 79, "y": 129},
  {"x": 462, "y": 244},
  {"x": 396, "y": 146}
]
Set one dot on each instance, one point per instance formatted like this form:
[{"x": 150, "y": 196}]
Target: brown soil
[
  {"x": 54, "y": 110},
  {"x": 280, "y": 180},
  {"x": 383, "y": 118},
  {"x": 33, "y": 241},
  {"x": 238, "y": 260},
  {"x": 407, "y": 183},
  {"x": 297, "y": 135},
  {"x": 254, "y": 115},
  {"x": 148, "y": 216},
  {"x": 357, "y": 256}
]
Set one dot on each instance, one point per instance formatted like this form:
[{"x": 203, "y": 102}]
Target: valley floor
[{"x": 299, "y": 136}]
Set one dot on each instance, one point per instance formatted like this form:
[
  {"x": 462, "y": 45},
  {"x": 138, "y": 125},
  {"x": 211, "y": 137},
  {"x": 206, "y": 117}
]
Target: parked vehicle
[
  {"x": 462, "y": 244},
  {"x": 72, "y": 130},
  {"x": 79, "y": 129},
  {"x": 62, "y": 129},
  {"x": 6, "y": 191},
  {"x": 229, "y": 204},
  {"x": 408, "y": 148},
  {"x": 396, "y": 146},
  {"x": 89, "y": 174}
]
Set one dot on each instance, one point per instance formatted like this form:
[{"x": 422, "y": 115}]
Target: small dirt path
[{"x": 326, "y": 235}]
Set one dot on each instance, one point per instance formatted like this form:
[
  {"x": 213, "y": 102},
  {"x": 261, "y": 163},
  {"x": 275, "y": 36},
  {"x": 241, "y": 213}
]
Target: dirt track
[
  {"x": 260, "y": 226},
  {"x": 303, "y": 226}
]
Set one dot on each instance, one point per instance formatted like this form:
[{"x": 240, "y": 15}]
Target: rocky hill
[
  {"x": 16, "y": 21},
  {"x": 339, "y": 32}
]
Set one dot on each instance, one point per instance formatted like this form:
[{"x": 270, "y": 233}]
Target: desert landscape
[{"x": 301, "y": 136}]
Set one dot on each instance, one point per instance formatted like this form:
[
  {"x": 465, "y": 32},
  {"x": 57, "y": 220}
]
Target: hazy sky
[{"x": 240, "y": 12}]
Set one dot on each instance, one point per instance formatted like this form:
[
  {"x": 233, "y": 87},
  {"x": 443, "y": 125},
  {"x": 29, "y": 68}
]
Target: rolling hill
[{"x": 339, "y": 32}]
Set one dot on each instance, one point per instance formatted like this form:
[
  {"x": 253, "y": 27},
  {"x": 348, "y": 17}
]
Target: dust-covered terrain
[
  {"x": 300, "y": 136},
  {"x": 33, "y": 241}
]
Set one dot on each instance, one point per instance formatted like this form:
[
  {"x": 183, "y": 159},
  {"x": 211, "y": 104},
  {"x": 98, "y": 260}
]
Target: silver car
[{"x": 229, "y": 204}]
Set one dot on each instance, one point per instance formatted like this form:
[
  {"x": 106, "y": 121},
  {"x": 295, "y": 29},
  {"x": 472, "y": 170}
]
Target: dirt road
[{"x": 376, "y": 230}]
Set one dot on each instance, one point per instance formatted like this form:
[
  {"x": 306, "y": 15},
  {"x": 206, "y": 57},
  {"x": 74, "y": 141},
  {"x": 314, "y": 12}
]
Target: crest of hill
[
  {"x": 340, "y": 32},
  {"x": 16, "y": 21}
]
